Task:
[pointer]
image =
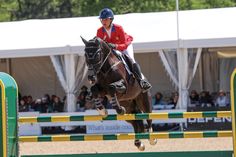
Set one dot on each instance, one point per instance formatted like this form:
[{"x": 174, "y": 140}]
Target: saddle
[{"x": 125, "y": 59}]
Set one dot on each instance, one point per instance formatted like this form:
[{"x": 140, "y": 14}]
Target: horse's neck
[{"x": 109, "y": 67}]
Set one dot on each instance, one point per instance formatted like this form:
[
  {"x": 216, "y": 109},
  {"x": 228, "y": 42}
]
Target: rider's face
[{"x": 106, "y": 22}]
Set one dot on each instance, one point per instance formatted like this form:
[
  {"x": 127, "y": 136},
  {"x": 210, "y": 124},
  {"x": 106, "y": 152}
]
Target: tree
[{"x": 11, "y": 10}]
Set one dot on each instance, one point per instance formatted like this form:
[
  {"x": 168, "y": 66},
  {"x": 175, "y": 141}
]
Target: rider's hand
[{"x": 113, "y": 46}]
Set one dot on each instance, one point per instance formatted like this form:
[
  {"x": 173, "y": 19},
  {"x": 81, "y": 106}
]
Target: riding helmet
[{"x": 106, "y": 13}]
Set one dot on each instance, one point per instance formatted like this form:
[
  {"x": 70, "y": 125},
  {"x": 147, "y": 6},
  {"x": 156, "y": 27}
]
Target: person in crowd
[
  {"x": 194, "y": 97},
  {"x": 81, "y": 99},
  {"x": 158, "y": 102},
  {"x": 38, "y": 105},
  {"x": 57, "y": 105},
  {"x": 221, "y": 99},
  {"x": 46, "y": 104},
  {"x": 205, "y": 99},
  {"x": 173, "y": 100},
  {"x": 120, "y": 41},
  {"x": 30, "y": 103},
  {"x": 23, "y": 107}
]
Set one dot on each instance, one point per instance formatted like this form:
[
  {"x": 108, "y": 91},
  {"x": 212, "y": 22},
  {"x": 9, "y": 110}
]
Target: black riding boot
[{"x": 144, "y": 84}]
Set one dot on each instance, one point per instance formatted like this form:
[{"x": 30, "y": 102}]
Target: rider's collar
[{"x": 112, "y": 28}]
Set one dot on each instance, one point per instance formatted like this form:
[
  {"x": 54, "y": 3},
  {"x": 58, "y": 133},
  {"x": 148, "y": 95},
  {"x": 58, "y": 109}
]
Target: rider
[{"x": 117, "y": 39}]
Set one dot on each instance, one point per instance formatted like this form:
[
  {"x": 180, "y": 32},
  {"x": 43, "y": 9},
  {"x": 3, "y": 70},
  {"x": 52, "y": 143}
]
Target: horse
[{"x": 109, "y": 77}]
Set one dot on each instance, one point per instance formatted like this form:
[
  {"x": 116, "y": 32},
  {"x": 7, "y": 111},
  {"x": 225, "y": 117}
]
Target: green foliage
[{"x": 11, "y": 10}]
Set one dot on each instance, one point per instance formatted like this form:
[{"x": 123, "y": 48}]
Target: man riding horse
[{"x": 120, "y": 42}]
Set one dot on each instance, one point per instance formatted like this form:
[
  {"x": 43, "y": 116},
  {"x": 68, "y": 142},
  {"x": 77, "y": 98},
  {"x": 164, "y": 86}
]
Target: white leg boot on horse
[
  {"x": 100, "y": 108},
  {"x": 114, "y": 101},
  {"x": 115, "y": 105},
  {"x": 97, "y": 102}
]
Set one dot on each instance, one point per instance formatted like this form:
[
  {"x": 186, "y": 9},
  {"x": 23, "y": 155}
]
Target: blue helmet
[{"x": 106, "y": 13}]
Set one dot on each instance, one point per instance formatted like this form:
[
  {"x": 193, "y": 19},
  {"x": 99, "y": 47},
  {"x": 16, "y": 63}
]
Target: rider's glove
[{"x": 113, "y": 46}]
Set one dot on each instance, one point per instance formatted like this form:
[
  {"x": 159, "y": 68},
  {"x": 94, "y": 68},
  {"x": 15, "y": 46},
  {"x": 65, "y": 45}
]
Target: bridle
[{"x": 96, "y": 67}]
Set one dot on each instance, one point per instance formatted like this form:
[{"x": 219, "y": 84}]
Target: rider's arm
[{"x": 124, "y": 40}]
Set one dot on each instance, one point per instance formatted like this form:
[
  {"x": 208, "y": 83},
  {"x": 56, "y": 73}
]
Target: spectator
[
  {"x": 205, "y": 99},
  {"x": 23, "y": 106},
  {"x": 30, "y": 103},
  {"x": 221, "y": 99},
  {"x": 38, "y": 105},
  {"x": 57, "y": 105},
  {"x": 81, "y": 99},
  {"x": 194, "y": 98},
  {"x": 173, "y": 101},
  {"x": 158, "y": 103},
  {"x": 46, "y": 104}
]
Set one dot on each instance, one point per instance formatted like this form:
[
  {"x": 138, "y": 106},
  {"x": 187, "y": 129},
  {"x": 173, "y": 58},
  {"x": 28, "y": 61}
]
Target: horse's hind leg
[
  {"x": 150, "y": 130},
  {"x": 98, "y": 104},
  {"x": 138, "y": 128},
  {"x": 146, "y": 107}
]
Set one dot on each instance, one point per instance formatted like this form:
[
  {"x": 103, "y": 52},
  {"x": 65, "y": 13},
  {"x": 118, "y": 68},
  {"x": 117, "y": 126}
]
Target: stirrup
[{"x": 145, "y": 85}]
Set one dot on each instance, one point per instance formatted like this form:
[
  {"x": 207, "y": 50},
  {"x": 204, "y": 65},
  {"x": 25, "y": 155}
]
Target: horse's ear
[
  {"x": 98, "y": 41},
  {"x": 85, "y": 41},
  {"x": 105, "y": 46}
]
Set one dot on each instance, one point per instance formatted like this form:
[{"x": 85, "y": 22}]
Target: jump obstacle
[{"x": 10, "y": 139}]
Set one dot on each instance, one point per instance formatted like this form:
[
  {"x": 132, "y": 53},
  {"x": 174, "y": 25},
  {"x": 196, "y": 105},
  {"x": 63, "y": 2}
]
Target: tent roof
[{"x": 151, "y": 31}]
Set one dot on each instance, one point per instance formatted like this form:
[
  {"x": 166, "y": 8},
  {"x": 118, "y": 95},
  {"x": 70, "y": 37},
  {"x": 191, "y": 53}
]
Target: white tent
[{"x": 152, "y": 32}]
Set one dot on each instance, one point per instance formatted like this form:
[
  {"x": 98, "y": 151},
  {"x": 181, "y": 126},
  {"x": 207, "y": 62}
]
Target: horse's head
[{"x": 96, "y": 53}]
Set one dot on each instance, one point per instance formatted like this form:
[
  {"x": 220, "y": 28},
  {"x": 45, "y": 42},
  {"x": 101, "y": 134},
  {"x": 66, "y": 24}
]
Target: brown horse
[{"x": 110, "y": 78}]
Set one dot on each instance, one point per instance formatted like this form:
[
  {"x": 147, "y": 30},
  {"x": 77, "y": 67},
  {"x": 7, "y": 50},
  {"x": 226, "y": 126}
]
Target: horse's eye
[{"x": 98, "y": 56}]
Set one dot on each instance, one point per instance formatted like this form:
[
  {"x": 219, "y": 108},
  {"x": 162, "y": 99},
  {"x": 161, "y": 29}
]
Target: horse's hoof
[
  {"x": 103, "y": 112},
  {"x": 121, "y": 110},
  {"x": 141, "y": 147},
  {"x": 153, "y": 141}
]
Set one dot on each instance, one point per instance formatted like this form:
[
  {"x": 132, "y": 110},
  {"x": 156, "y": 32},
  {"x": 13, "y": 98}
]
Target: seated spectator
[
  {"x": 30, "y": 103},
  {"x": 89, "y": 105},
  {"x": 173, "y": 101},
  {"x": 194, "y": 97},
  {"x": 205, "y": 99},
  {"x": 57, "y": 105},
  {"x": 38, "y": 105},
  {"x": 158, "y": 103},
  {"x": 23, "y": 107},
  {"x": 46, "y": 104},
  {"x": 81, "y": 99},
  {"x": 221, "y": 99}
]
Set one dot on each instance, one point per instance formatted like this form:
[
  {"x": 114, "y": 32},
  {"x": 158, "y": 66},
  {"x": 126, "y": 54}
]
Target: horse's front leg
[
  {"x": 98, "y": 103},
  {"x": 138, "y": 128},
  {"x": 114, "y": 101}
]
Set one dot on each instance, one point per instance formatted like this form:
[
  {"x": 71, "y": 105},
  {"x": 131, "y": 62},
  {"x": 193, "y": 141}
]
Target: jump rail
[
  {"x": 140, "y": 116},
  {"x": 161, "y": 135}
]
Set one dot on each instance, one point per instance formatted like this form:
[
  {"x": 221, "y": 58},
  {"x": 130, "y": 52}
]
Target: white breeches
[{"x": 129, "y": 51}]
